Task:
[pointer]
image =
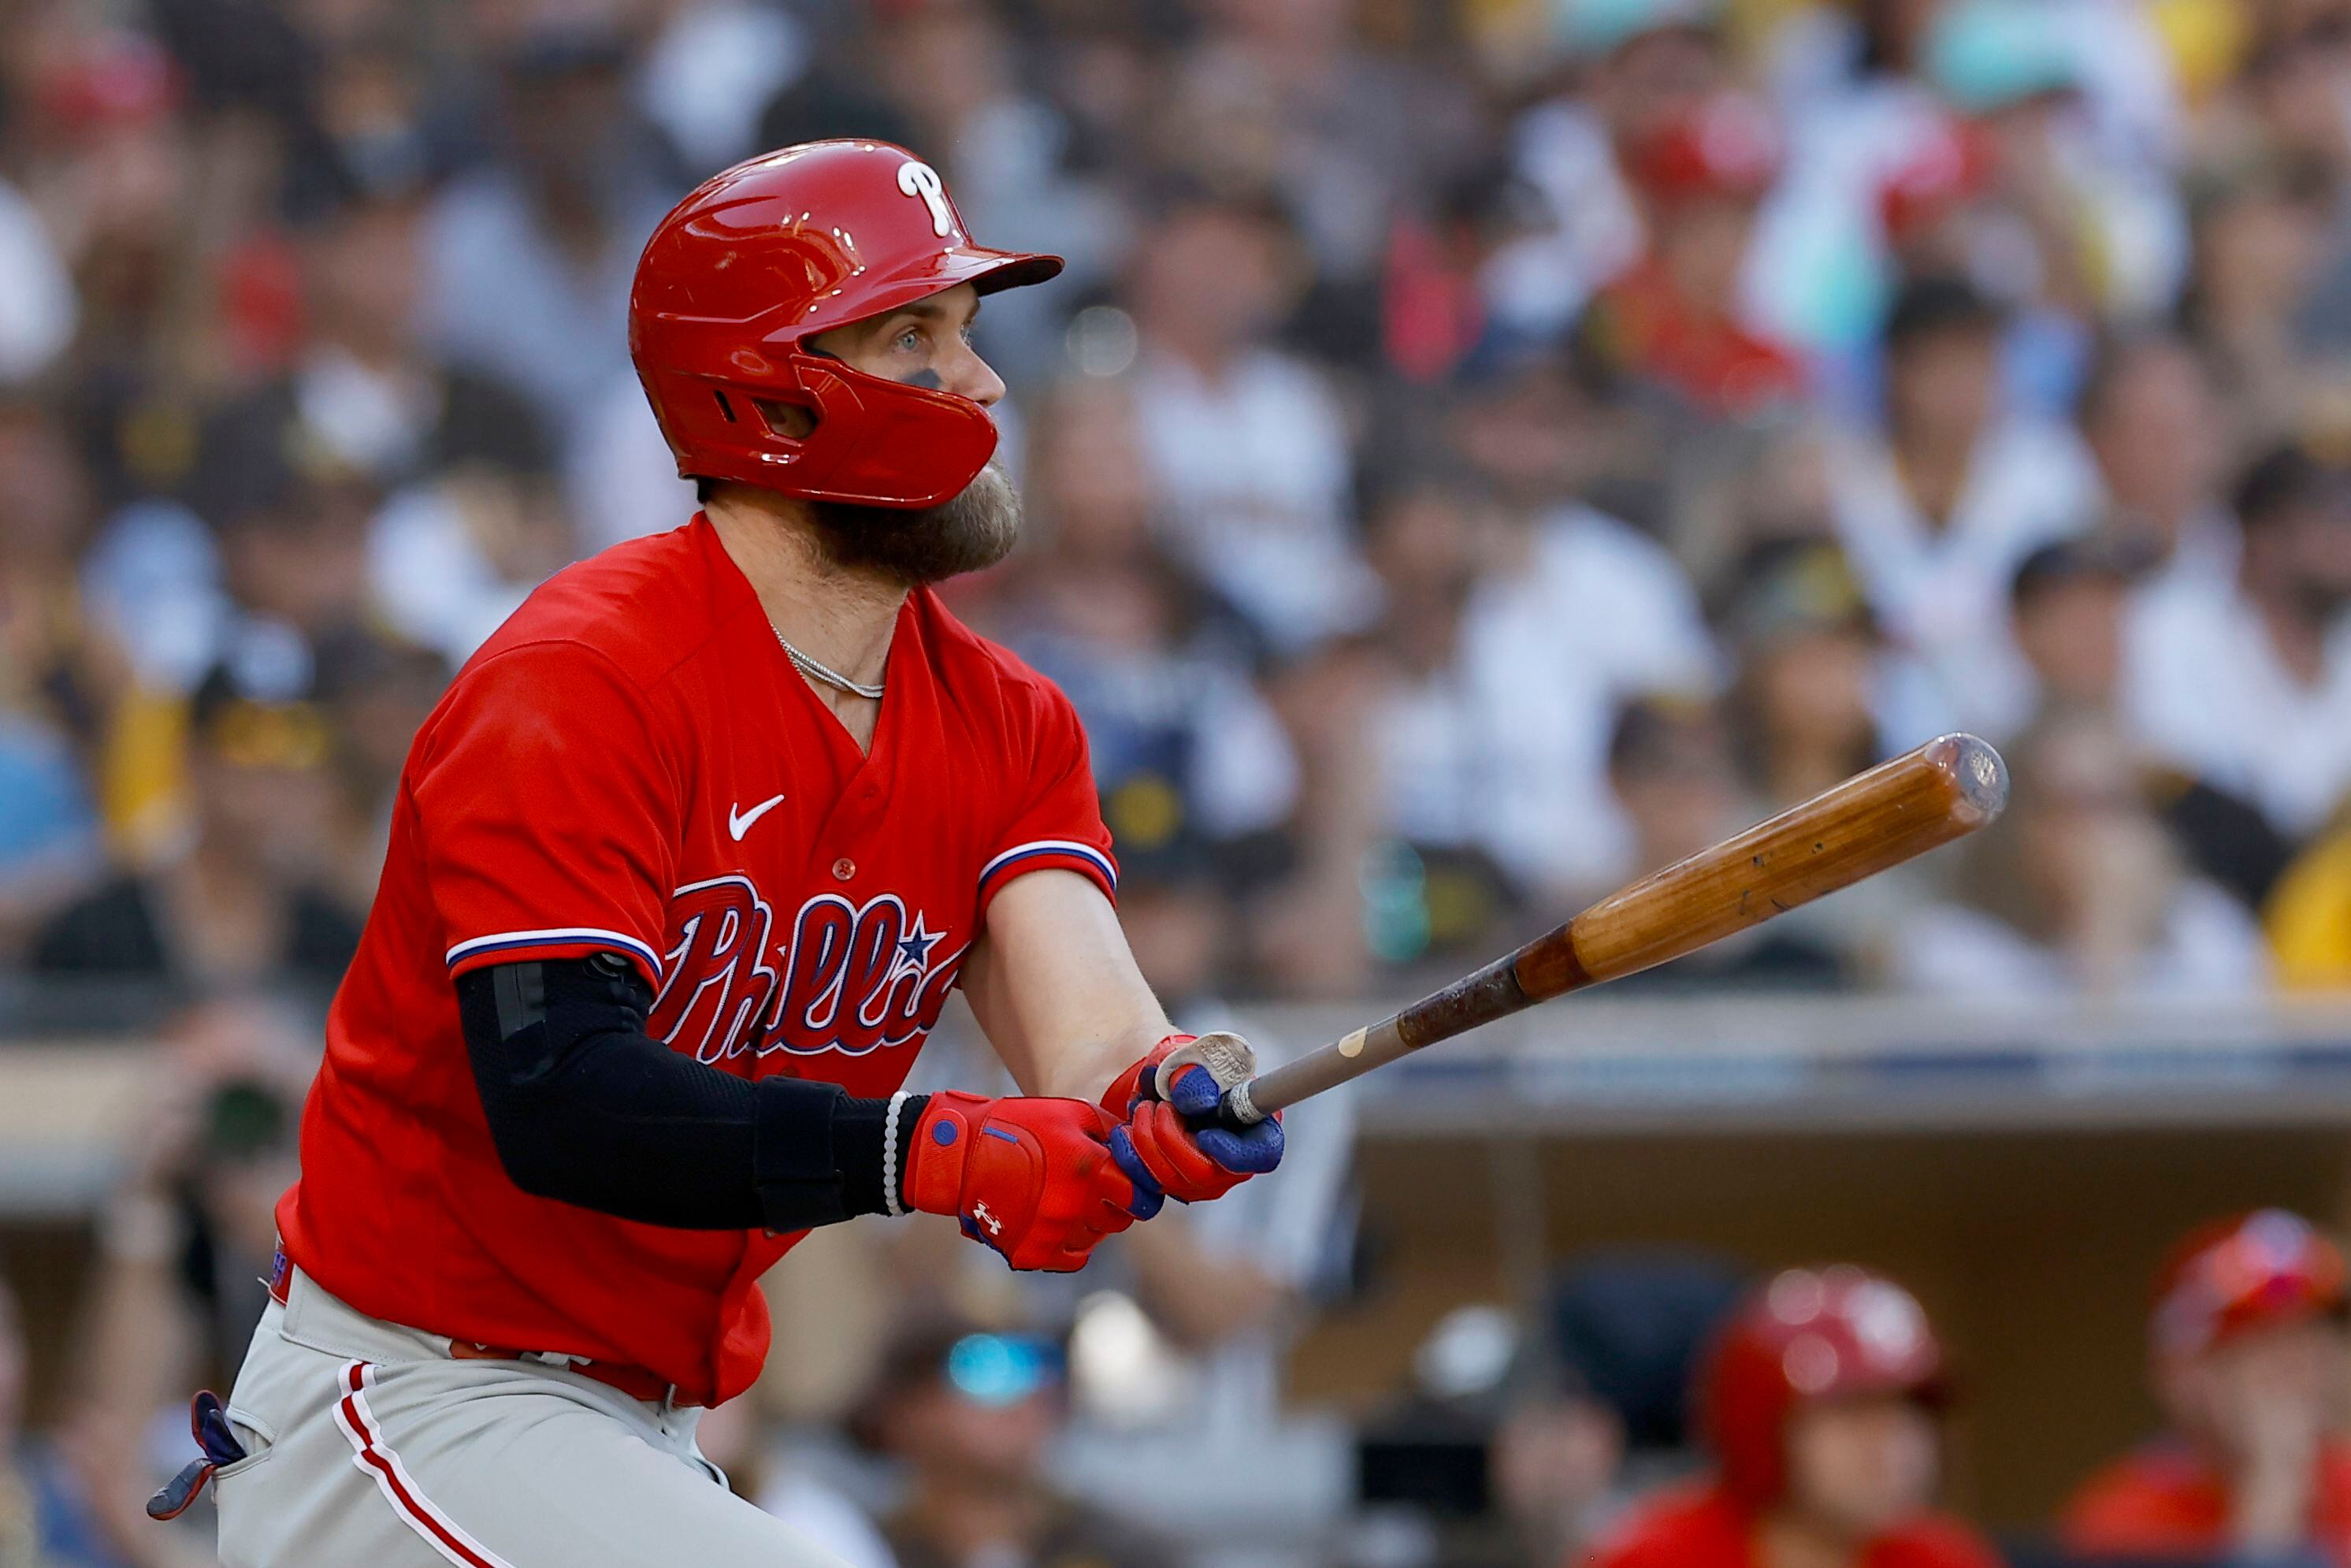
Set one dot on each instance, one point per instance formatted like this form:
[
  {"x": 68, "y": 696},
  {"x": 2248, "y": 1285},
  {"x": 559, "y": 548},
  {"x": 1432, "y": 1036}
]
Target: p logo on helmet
[{"x": 919, "y": 178}]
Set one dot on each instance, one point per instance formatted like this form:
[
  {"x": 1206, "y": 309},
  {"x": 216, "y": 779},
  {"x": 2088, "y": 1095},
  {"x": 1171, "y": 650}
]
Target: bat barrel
[
  {"x": 1874, "y": 820},
  {"x": 1979, "y": 773}
]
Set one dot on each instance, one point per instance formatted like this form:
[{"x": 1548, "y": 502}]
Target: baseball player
[
  {"x": 1819, "y": 1399},
  {"x": 681, "y": 871},
  {"x": 2245, "y": 1350}
]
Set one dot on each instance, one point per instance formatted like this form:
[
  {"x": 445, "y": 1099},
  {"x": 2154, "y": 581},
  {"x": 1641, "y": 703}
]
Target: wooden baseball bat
[{"x": 1873, "y": 821}]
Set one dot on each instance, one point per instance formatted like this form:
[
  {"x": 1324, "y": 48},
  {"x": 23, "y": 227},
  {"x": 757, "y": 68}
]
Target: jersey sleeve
[
  {"x": 1056, "y": 821},
  {"x": 547, "y": 811}
]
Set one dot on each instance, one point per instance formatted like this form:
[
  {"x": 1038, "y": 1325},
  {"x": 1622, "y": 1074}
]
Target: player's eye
[{"x": 908, "y": 342}]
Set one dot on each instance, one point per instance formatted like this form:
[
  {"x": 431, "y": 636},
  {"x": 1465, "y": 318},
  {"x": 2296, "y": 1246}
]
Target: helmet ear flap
[{"x": 787, "y": 421}]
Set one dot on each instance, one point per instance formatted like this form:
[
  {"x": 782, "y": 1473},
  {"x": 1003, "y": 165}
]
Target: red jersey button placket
[{"x": 844, "y": 869}]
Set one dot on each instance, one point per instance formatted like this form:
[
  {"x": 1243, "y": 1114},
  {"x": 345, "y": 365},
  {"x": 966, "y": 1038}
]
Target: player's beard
[{"x": 927, "y": 544}]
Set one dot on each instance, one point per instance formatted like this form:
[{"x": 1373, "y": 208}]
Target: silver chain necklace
[{"x": 829, "y": 676}]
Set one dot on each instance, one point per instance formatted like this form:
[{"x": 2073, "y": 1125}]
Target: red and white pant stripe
[{"x": 373, "y": 1456}]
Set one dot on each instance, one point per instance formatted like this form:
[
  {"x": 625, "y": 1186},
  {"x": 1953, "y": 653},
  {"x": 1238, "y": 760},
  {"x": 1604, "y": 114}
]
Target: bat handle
[
  {"x": 1232, "y": 1063},
  {"x": 1249, "y": 1100},
  {"x": 1230, "y": 1060}
]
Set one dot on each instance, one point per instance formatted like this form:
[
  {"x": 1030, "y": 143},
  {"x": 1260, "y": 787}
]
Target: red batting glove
[
  {"x": 1031, "y": 1177},
  {"x": 1178, "y": 1149},
  {"x": 1141, "y": 1082}
]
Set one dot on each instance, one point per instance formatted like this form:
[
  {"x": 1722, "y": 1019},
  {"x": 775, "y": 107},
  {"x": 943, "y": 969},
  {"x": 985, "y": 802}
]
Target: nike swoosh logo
[{"x": 739, "y": 822}]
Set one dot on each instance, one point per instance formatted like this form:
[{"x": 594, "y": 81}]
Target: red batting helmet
[
  {"x": 762, "y": 257},
  {"x": 1810, "y": 1333},
  {"x": 1728, "y": 146},
  {"x": 2257, "y": 1269}
]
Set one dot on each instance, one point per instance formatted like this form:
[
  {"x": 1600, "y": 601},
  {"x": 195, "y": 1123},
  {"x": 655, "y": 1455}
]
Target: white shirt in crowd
[
  {"x": 1941, "y": 597},
  {"x": 1507, "y": 749},
  {"x": 37, "y": 305},
  {"x": 2208, "y": 949},
  {"x": 1256, "y": 471},
  {"x": 2203, "y": 685},
  {"x": 432, "y": 583}
]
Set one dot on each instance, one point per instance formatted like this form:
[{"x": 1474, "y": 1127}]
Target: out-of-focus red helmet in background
[
  {"x": 762, "y": 257},
  {"x": 1809, "y": 1334},
  {"x": 1728, "y": 146},
  {"x": 2254, "y": 1271}
]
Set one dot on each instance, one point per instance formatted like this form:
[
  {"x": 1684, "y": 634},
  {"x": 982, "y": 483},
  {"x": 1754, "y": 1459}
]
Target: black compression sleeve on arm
[{"x": 583, "y": 1107}]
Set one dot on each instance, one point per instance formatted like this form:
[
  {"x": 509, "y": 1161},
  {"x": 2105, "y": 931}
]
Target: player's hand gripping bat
[{"x": 1873, "y": 821}]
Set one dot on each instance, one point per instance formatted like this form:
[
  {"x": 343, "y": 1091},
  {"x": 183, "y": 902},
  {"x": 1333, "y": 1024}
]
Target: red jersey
[
  {"x": 1718, "y": 366},
  {"x": 2165, "y": 1501},
  {"x": 1703, "y": 1526},
  {"x": 633, "y": 765}
]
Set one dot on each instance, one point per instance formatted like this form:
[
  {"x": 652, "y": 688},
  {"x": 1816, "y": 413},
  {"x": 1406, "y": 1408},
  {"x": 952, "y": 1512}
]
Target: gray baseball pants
[{"x": 368, "y": 1446}]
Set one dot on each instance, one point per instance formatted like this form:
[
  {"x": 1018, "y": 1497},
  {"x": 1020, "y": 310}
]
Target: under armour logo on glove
[{"x": 1032, "y": 1178}]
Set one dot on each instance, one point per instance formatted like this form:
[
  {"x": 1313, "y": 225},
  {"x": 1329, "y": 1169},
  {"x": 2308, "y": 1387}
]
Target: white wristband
[{"x": 890, "y": 1155}]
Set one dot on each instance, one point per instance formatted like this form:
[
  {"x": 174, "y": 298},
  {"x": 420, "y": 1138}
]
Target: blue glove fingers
[
  {"x": 1194, "y": 1092},
  {"x": 1253, "y": 1151},
  {"x": 1150, "y": 1198}
]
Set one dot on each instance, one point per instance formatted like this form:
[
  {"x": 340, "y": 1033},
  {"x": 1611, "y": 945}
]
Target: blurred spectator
[
  {"x": 58, "y": 663},
  {"x": 451, "y": 558},
  {"x": 1600, "y": 1416},
  {"x": 2258, "y": 235},
  {"x": 1821, "y": 1400},
  {"x": 1427, "y": 540},
  {"x": 2079, "y": 892},
  {"x": 2076, "y": 109},
  {"x": 1643, "y": 63},
  {"x": 1802, "y": 714},
  {"x": 23, "y": 1524},
  {"x": 1495, "y": 736},
  {"x": 242, "y": 903},
  {"x": 375, "y": 694},
  {"x": 1672, "y": 318},
  {"x": 1936, "y": 519},
  {"x": 58, "y": 674},
  {"x": 528, "y": 258},
  {"x": 1280, "y": 96},
  {"x": 2070, "y": 604},
  {"x": 2308, "y": 915},
  {"x": 711, "y": 68},
  {"x": 37, "y": 296},
  {"x": 1671, "y": 767},
  {"x": 185, "y": 1242},
  {"x": 1247, "y": 444},
  {"x": 271, "y": 559},
  {"x": 2067, "y": 604},
  {"x": 2157, "y": 432},
  {"x": 971, "y": 1415},
  {"x": 1189, "y": 759},
  {"x": 2244, "y": 681},
  {"x": 2246, "y": 1351}
]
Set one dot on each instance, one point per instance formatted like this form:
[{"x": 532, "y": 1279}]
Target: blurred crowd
[{"x": 1481, "y": 450}]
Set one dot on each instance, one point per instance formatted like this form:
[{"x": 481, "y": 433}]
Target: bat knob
[
  {"x": 1977, "y": 771},
  {"x": 1229, "y": 1058}
]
